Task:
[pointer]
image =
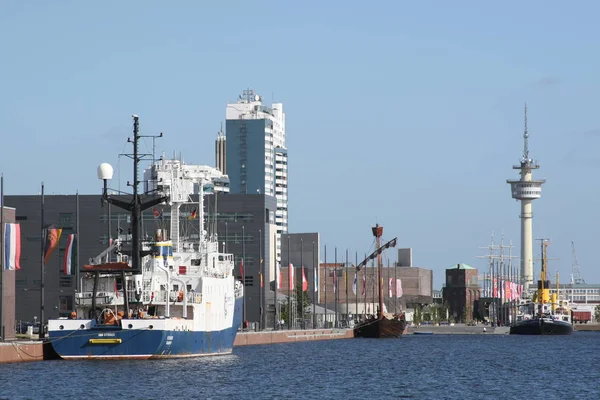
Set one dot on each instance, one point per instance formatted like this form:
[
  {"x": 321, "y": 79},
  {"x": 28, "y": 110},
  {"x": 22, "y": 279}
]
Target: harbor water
[{"x": 412, "y": 367}]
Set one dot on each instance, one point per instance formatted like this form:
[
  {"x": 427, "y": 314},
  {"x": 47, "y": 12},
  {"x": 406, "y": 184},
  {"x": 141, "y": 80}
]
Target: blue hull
[{"x": 144, "y": 343}]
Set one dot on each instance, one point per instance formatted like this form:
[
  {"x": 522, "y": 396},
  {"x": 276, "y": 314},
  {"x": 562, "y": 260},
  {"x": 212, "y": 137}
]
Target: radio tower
[{"x": 526, "y": 190}]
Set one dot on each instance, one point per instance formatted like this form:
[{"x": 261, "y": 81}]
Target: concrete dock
[
  {"x": 21, "y": 351},
  {"x": 459, "y": 329},
  {"x": 285, "y": 336}
]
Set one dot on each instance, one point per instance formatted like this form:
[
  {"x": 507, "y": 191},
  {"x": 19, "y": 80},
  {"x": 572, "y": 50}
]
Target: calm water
[{"x": 413, "y": 367}]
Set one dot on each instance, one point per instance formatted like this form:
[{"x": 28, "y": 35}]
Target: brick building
[{"x": 461, "y": 291}]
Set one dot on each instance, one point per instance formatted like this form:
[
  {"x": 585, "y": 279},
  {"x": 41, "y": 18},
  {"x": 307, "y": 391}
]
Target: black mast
[{"x": 136, "y": 205}]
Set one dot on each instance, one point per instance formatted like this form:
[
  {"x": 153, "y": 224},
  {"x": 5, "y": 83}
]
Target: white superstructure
[
  {"x": 214, "y": 180},
  {"x": 525, "y": 190}
]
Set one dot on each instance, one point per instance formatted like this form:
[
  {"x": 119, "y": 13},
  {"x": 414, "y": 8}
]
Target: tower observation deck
[{"x": 526, "y": 189}]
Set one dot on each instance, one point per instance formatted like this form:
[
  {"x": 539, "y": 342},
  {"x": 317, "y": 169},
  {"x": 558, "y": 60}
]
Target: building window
[
  {"x": 65, "y": 304},
  {"x": 66, "y": 220}
]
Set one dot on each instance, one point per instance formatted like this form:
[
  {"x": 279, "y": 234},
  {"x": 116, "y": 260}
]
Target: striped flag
[
  {"x": 12, "y": 246},
  {"x": 52, "y": 235},
  {"x": 69, "y": 256},
  {"x": 279, "y": 277},
  {"x": 398, "y": 287},
  {"x": 291, "y": 276},
  {"x": 304, "y": 281},
  {"x": 334, "y": 282},
  {"x": 354, "y": 284},
  {"x": 390, "y": 286}
]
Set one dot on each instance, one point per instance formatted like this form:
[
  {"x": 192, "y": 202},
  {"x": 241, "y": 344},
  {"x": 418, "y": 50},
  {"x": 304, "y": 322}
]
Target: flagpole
[
  {"x": 2, "y": 260},
  {"x": 396, "y": 289},
  {"x": 356, "y": 294},
  {"x": 335, "y": 293},
  {"x": 365, "y": 284},
  {"x": 346, "y": 282},
  {"x": 302, "y": 281},
  {"x": 244, "y": 273},
  {"x": 260, "y": 281},
  {"x": 42, "y": 270},
  {"x": 325, "y": 287},
  {"x": 315, "y": 280},
  {"x": 289, "y": 285},
  {"x": 276, "y": 319},
  {"x": 77, "y": 242}
]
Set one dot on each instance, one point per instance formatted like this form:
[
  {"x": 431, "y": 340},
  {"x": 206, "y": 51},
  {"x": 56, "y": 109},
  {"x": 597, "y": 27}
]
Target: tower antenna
[{"x": 525, "y": 139}]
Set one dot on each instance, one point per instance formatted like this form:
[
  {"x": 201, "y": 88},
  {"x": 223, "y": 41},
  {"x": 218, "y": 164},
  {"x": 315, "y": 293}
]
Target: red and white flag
[
  {"x": 398, "y": 288},
  {"x": 390, "y": 286},
  {"x": 304, "y": 281},
  {"x": 291, "y": 276}
]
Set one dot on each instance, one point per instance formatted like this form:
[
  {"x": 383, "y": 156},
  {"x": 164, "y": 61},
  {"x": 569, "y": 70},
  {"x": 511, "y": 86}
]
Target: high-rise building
[
  {"x": 256, "y": 151},
  {"x": 221, "y": 152}
]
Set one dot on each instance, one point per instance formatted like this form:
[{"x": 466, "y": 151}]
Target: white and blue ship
[{"x": 180, "y": 300}]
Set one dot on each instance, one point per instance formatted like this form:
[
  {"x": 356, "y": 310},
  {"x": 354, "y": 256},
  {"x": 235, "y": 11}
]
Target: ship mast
[{"x": 378, "y": 232}]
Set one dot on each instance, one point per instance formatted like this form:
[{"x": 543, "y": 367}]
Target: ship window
[{"x": 196, "y": 262}]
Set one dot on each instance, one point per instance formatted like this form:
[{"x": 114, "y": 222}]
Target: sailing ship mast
[{"x": 378, "y": 232}]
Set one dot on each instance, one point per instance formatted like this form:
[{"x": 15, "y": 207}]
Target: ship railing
[{"x": 174, "y": 297}]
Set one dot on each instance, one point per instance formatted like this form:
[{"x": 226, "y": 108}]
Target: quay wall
[
  {"x": 21, "y": 351},
  {"x": 284, "y": 336}
]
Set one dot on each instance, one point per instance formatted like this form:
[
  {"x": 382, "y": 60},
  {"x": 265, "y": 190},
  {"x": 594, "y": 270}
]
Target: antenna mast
[
  {"x": 525, "y": 139},
  {"x": 576, "y": 277}
]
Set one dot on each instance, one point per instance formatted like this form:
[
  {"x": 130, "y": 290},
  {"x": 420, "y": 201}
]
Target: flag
[
  {"x": 364, "y": 289},
  {"x": 12, "y": 246},
  {"x": 279, "y": 277},
  {"x": 242, "y": 269},
  {"x": 390, "y": 286},
  {"x": 291, "y": 276},
  {"x": 304, "y": 281},
  {"x": 316, "y": 279},
  {"x": 193, "y": 214},
  {"x": 345, "y": 281},
  {"x": 261, "y": 279},
  {"x": 52, "y": 235},
  {"x": 334, "y": 282},
  {"x": 69, "y": 255},
  {"x": 398, "y": 288},
  {"x": 354, "y": 284}
]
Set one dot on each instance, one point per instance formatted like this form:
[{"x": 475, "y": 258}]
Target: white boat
[{"x": 178, "y": 298}]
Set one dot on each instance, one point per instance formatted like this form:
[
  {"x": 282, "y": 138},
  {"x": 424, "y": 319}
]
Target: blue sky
[{"x": 406, "y": 114}]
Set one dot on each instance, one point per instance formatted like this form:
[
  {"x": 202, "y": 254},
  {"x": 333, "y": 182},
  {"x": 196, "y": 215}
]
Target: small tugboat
[
  {"x": 381, "y": 325},
  {"x": 544, "y": 315}
]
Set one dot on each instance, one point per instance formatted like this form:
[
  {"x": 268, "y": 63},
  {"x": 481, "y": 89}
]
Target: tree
[
  {"x": 300, "y": 300},
  {"x": 597, "y": 313}
]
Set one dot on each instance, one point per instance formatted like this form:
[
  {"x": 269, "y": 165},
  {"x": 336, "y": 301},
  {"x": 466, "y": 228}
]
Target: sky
[{"x": 403, "y": 114}]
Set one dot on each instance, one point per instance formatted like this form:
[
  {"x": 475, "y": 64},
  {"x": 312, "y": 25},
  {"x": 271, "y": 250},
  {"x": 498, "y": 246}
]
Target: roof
[{"x": 460, "y": 266}]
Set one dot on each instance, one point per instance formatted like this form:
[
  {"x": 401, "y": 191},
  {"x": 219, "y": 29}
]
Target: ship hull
[
  {"x": 118, "y": 342},
  {"x": 380, "y": 328},
  {"x": 541, "y": 327}
]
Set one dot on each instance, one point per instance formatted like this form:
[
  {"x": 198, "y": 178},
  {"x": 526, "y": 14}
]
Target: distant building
[
  {"x": 462, "y": 291},
  {"x": 7, "y": 288},
  {"x": 221, "y": 152},
  {"x": 256, "y": 153},
  {"x": 244, "y": 224}
]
